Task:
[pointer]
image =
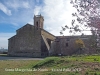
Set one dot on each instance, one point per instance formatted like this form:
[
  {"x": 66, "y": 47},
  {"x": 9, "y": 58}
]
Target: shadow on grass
[{"x": 49, "y": 62}]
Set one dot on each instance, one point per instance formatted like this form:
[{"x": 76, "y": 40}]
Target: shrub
[{"x": 95, "y": 59}]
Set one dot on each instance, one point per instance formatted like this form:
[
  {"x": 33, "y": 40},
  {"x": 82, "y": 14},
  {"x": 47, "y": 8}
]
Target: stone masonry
[
  {"x": 31, "y": 41},
  {"x": 34, "y": 41}
]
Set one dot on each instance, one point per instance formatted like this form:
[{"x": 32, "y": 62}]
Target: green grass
[
  {"x": 89, "y": 65},
  {"x": 48, "y": 62},
  {"x": 91, "y": 58}
]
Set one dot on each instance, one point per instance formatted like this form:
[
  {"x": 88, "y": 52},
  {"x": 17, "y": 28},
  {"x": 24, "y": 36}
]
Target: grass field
[{"x": 65, "y": 65}]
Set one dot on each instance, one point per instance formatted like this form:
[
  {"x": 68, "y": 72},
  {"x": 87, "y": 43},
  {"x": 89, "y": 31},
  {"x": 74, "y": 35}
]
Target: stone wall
[
  {"x": 27, "y": 42},
  {"x": 66, "y": 45},
  {"x": 36, "y": 42}
]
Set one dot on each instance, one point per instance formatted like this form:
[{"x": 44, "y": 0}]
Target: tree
[
  {"x": 87, "y": 16},
  {"x": 80, "y": 43}
]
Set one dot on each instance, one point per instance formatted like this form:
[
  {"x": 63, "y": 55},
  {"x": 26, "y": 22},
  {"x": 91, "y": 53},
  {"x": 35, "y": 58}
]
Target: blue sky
[{"x": 16, "y": 13}]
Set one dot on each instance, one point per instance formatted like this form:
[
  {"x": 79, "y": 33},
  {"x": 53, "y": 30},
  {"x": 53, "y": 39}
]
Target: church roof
[{"x": 47, "y": 32}]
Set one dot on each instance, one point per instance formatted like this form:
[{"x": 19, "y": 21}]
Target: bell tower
[{"x": 38, "y": 21}]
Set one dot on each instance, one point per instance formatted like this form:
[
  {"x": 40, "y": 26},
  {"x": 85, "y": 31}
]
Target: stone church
[{"x": 34, "y": 41}]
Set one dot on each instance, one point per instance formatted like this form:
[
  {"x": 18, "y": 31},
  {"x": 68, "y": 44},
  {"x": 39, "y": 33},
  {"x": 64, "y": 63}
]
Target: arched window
[{"x": 37, "y": 23}]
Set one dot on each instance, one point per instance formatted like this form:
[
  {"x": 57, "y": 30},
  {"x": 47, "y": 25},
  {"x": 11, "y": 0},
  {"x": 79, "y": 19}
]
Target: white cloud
[
  {"x": 57, "y": 13},
  {"x": 5, "y": 9},
  {"x": 25, "y": 5},
  {"x": 16, "y": 4},
  {"x": 37, "y": 10},
  {"x": 4, "y": 39}
]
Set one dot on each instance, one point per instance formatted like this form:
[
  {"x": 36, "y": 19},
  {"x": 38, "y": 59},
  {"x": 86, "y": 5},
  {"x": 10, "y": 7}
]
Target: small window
[
  {"x": 37, "y": 25},
  {"x": 66, "y": 44}
]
